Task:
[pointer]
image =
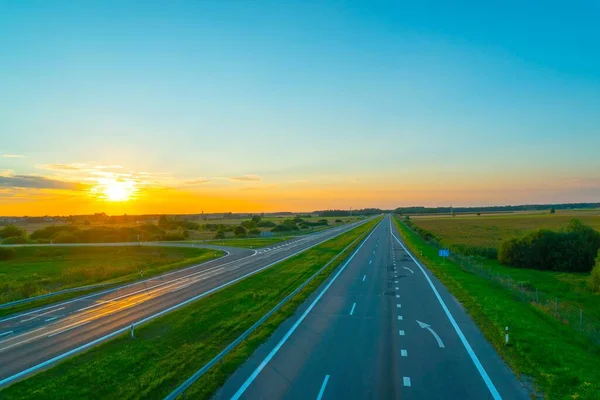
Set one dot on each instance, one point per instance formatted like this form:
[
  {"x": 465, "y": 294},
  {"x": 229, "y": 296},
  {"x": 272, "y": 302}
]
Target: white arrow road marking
[
  {"x": 435, "y": 335},
  {"x": 411, "y": 271}
]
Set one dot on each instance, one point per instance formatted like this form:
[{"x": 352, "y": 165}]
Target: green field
[
  {"x": 491, "y": 230},
  {"x": 168, "y": 350},
  {"x": 562, "y": 364},
  {"x": 40, "y": 270}
]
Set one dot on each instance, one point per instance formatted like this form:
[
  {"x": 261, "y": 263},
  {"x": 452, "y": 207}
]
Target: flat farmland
[{"x": 491, "y": 230}]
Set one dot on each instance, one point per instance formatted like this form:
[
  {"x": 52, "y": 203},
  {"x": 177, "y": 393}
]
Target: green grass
[
  {"x": 39, "y": 270},
  {"x": 250, "y": 243},
  {"x": 562, "y": 364},
  {"x": 491, "y": 230},
  {"x": 171, "y": 348}
]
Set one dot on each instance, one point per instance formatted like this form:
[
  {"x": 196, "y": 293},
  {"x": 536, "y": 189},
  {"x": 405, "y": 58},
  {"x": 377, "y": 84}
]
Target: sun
[{"x": 114, "y": 190}]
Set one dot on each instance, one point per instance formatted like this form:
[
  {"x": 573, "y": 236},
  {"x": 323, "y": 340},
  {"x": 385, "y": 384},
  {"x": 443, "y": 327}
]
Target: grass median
[
  {"x": 39, "y": 270},
  {"x": 563, "y": 364},
  {"x": 169, "y": 349}
]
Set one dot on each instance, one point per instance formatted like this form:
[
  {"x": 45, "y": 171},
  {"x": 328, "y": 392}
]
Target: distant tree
[
  {"x": 254, "y": 232},
  {"x": 86, "y": 222},
  {"x": 239, "y": 231},
  {"x": 552, "y": 210},
  {"x": 219, "y": 235},
  {"x": 163, "y": 221},
  {"x": 11, "y": 231},
  {"x": 249, "y": 224},
  {"x": 407, "y": 218},
  {"x": 594, "y": 279},
  {"x": 256, "y": 218}
]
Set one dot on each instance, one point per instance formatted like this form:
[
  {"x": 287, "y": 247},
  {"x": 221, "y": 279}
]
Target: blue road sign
[{"x": 444, "y": 252}]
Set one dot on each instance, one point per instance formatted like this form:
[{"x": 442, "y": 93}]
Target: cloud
[
  {"x": 61, "y": 167},
  {"x": 245, "y": 178},
  {"x": 197, "y": 181},
  {"x": 258, "y": 188},
  {"x": 37, "y": 182},
  {"x": 12, "y": 156}
]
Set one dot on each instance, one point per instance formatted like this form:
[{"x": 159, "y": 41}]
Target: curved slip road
[
  {"x": 382, "y": 327},
  {"x": 33, "y": 340}
]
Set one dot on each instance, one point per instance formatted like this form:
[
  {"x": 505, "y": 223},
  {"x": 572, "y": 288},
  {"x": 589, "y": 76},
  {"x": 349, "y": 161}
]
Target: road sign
[{"x": 444, "y": 252}]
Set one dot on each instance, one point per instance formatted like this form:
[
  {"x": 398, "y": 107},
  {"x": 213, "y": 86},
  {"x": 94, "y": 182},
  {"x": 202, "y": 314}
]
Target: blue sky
[{"x": 425, "y": 103}]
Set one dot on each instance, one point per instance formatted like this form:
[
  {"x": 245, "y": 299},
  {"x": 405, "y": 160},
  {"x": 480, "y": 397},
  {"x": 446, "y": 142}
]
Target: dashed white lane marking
[
  {"x": 39, "y": 315},
  {"x": 364, "y": 277},
  {"x": 353, "y": 307},
  {"x": 320, "y": 396},
  {"x": 397, "y": 296},
  {"x": 400, "y": 318},
  {"x": 51, "y": 319},
  {"x": 397, "y": 288},
  {"x": 398, "y": 305},
  {"x": 370, "y": 261},
  {"x": 401, "y": 332},
  {"x": 406, "y": 381},
  {"x": 403, "y": 353},
  {"x": 6, "y": 333}
]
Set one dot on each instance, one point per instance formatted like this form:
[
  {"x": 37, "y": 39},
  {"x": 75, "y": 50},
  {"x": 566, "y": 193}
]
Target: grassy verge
[
  {"x": 171, "y": 348},
  {"x": 562, "y": 364},
  {"x": 38, "y": 270},
  {"x": 250, "y": 243}
]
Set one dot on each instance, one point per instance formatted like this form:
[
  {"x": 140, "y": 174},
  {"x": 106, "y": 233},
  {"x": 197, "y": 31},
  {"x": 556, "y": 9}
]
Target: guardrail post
[{"x": 132, "y": 330}]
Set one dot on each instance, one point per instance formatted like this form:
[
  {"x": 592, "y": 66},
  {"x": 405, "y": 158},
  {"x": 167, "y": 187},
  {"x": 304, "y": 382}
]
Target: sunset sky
[{"x": 257, "y": 106}]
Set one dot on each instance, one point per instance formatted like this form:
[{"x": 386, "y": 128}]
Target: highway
[
  {"x": 36, "y": 339},
  {"x": 381, "y": 327}
]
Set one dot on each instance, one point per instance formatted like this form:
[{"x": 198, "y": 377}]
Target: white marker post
[
  {"x": 506, "y": 331},
  {"x": 132, "y": 329}
]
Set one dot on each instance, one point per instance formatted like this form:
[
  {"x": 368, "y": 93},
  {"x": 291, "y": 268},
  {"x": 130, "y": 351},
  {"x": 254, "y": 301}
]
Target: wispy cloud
[
  {"x": 197, "y": 181},
  {"x": 258, "y": 188},
  {"x": 12, "y": 156},
  {"x": 38, "y": 182},
  {"x": 245, "y": 178},
  {"x": 62, "y": 167}
]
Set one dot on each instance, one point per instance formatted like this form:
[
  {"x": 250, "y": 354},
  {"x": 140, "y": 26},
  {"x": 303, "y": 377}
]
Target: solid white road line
[
  {"x": 459, "y": 332},
  {"x": 320, "y": 396},
  {"x": 353, "y": 307},
  {"x": 403, "y": 353},
  {"x": 401, "y": 332},
  {"x": 68, "y": 329},
  {"x": 406, "y": 381},
  {"x": 269, "y": 356},
  {"x": 6, "y": 333}
]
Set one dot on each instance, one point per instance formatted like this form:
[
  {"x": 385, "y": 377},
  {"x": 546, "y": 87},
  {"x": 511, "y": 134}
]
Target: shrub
[
  {"x": 254, "y": 231},
  {"x": 11, "y": 231},
  {"x": 15, "y": 240},
  {"x": 573, "y": 249},
  {"x": 594, "y": 279},
  {"x": 7, "y": 253},
  {"x": 174, "y": 235},
  {"x": 249, "y": 224},
  {"x": 338, "y": 221},
  {"x": 266, "y": 224},
  {"x": 239, "y": 231},
  {"x": 219, "y": 235},
  {"x": 490, "y": 253},
  {"x": 65, "y": 237}
]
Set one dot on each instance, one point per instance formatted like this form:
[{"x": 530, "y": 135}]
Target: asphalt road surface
[
  {"x": 35, "y": 339},
  {"x": 382, "y": 327}
]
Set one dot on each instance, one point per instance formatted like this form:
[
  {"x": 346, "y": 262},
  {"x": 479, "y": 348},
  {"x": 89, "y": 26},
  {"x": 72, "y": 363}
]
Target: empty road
[
  {"x": 35, "y": 339},
  {"x": 381, "y": 327}
]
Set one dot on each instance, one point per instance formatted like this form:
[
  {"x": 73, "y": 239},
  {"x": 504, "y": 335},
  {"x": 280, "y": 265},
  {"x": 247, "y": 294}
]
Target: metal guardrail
[
  {"x": 568, "y": 314},
  {"x": 219, "y": 357},
  {"x": 51, "y": 294}
]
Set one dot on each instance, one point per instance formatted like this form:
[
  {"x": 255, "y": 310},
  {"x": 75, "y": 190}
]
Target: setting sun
[{"x": 114, "y": 190}]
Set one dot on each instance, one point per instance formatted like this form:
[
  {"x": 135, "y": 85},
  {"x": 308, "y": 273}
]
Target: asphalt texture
[
  {"x": 381, "y": 327},
  {"x": 35, "y": 339}
]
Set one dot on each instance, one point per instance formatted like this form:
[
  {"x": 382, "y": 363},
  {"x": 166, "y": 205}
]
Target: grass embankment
[
  {"x": 562, "y": 364},
  {"x": 39, "y": 270},
  {"x": 492, "y": 230},
  {"x": 168, "y": 350}
]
